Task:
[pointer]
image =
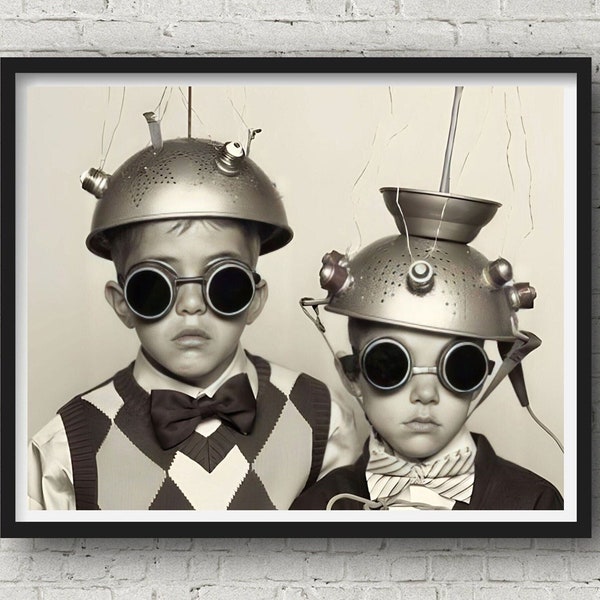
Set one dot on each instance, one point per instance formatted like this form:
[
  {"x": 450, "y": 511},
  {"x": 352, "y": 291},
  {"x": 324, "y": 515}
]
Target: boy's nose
[
  {"x": 190, "y": 299},
  {"x": 424, "y": 388}
]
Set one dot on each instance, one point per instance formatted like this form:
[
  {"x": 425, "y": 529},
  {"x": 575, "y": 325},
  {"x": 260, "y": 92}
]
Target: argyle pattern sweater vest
[{"x": 119, "y": 465}]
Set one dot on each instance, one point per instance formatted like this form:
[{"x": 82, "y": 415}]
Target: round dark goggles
[
  {"x": 150, "y": 288},
  {"x": 462, "y": 367}
]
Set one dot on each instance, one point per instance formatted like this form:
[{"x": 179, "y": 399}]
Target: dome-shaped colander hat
[
  {"x": 186, "y": 178},
  {"x": 440, "y": 285}
]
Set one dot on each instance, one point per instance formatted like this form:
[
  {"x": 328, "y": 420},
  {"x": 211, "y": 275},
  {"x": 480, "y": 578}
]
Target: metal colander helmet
[
  {"x": 185, "y": 178},
  {"x": 440, "y": 285}
]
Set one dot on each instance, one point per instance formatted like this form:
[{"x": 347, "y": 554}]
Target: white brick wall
[{"x": 309, "y": 569}]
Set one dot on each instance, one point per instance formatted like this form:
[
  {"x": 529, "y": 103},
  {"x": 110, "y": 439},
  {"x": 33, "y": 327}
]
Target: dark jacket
[{"x": 499, "y": 485}]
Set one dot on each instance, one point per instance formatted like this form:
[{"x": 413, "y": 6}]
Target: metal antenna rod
[
  {"x": 445, "y": 182},
  {"x": 189, "y": 111}
]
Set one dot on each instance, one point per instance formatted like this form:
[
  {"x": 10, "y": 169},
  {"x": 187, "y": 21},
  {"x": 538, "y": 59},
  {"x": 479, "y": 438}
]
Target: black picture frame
[{"x": 67, "y": 524}]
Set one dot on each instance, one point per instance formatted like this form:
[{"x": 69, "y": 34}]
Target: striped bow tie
[{"x": 450, "y": 476}]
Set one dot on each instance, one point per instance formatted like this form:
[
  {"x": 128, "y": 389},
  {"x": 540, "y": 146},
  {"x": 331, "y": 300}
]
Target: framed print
[{"x": 296, "y": 297}]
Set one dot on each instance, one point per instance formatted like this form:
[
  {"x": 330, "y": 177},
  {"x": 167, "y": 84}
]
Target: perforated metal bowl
[
  {"x": 438, "y": 215},
  {"x": 462, "y": 302},
  {"x": 182, "y": 180}
]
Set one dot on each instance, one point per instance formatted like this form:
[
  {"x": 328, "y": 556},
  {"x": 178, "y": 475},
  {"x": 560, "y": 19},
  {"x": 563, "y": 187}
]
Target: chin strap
[{"x": 512, "y": 355}]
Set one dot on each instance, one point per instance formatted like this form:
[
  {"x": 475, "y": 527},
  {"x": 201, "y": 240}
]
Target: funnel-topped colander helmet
[
  {"x": 440, "y": 285},
  {"x": 186, "y": 178}
]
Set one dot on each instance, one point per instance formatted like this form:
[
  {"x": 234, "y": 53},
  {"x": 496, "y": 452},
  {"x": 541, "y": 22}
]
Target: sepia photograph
[{"x": 295, "y": 297}]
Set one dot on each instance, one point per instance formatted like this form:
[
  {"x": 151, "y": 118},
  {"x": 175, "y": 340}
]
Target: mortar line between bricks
[{"x": 291, "y": 20}]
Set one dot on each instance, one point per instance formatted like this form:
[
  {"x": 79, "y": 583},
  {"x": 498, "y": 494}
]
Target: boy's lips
[
  {"x": 191, "y": 337},
  {"x": 421, "y": 424}
]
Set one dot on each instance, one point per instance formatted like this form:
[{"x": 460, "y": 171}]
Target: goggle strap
[
  {"x": 512, "y": 359},
  {"x": 304, "y": 302},
  {"x": 516, "y": 375},
  {"x": 518, "y": 382},
  {"x": 341, "y": 362},
  {"x": 316, "y": 321}
]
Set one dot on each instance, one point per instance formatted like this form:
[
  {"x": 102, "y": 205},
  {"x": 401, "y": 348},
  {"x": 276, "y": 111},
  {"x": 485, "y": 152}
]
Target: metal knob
[
  {"x": 420, "y": 277},
  {"x": 334, "y": 275},
  {"x": 527, "y": 294},
  {"x": 521, "y": 295},
  {"x": 499, "y": 272}
]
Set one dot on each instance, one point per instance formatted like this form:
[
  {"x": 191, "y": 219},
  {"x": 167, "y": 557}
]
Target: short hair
[
  {"x": 355, "y": 327},
  {"x": 122, "y": 239}
]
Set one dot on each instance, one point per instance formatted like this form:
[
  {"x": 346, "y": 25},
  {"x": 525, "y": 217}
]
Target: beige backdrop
[{"x": 329, "y": 147}]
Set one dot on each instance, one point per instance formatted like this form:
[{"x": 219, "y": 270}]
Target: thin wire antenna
[
  {"x": 445, "y": 181},
  {"x": 189, "y": 112},
  {"x": 532, "y": 226},
  {"x": 512, "y": 180},
  {"x": 238, "y": 114},
  {"x": 158, "y": 106},
  {"x": 437, "y": 233},
  {"x": 468, "y": 155},
  {"x": 389, "y": 141},
  {"x": 112, "y": 137},
  {"x": 104, "y": 127},
  {"x": 186, "y": 104},
  {"x": 405, "y": 226},
  {"x": 354, "y": 195},
  {"x": 245, "y": 104},
  {"x": 546, "y": 429},
  {"x": 383, "y": 503},
  {"x": 164, "y": 112}
]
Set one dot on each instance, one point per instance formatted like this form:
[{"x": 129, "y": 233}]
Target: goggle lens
[
  {"x": 230, "y": 290},
  {"x": 148, "y": 293},
  {"x": 386, "y": 365},
  {"x": 465, "y": 367}
]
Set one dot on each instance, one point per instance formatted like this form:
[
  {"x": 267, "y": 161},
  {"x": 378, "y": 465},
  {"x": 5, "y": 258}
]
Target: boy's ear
[
  {"x": 114, "y": 296},
  {"x": 258, "y": 302},
  {"x": 346, "y": 369}
]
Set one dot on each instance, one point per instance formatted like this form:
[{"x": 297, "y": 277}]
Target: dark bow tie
[{"x": 175, "y": 415}]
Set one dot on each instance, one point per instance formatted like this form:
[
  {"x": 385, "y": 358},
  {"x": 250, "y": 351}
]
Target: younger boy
[
  {"x": 194, "y": 422},
  {"x": 419, "y": 311}
]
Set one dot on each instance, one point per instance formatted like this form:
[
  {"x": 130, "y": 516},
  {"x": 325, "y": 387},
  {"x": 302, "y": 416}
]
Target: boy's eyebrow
[
  {"x": 220, "y": 256},
  {"x": 174, "y": 261}
]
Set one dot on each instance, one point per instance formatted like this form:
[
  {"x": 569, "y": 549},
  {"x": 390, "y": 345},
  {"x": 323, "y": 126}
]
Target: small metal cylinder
[
  {"x": 95, "y": 181},
  {"x": 420, "y": 277},
  {"x": 230, "y": 158}
]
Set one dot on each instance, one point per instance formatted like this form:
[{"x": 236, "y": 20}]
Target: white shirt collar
[{"x": 150, "y": 378}]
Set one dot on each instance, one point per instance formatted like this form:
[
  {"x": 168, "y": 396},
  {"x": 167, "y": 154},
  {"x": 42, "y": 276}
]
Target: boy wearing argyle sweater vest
[
  {"x": 420, "y": 308},
  {"x": 195, "y": 422}
]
